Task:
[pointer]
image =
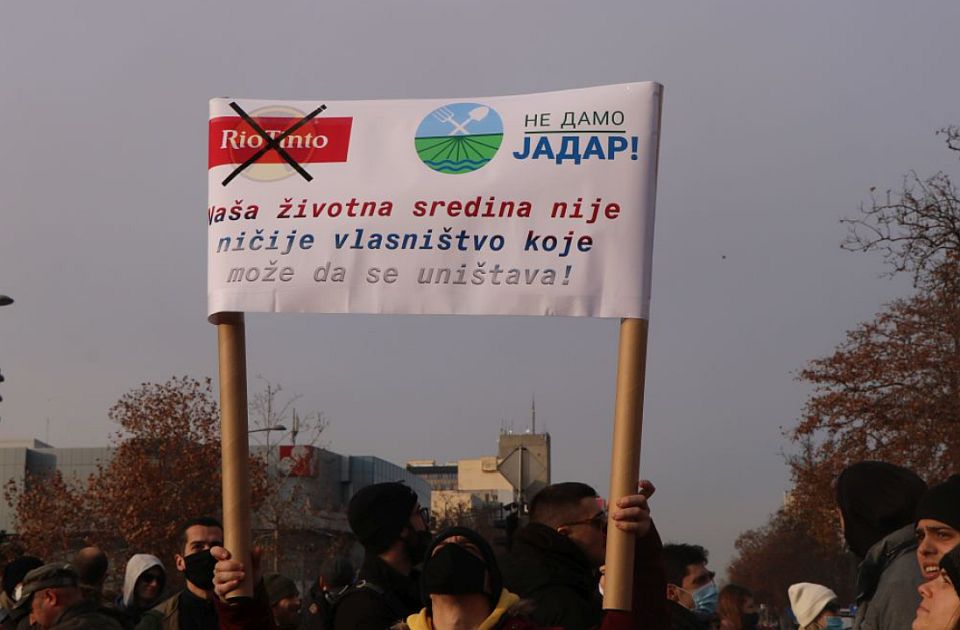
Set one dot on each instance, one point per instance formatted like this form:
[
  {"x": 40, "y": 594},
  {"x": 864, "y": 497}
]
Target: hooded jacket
[
  {"x": 887, "y": 582},
  {"x": 137, "y": 565},
  {"x": 876, "y": 499},
  {"x": 505, "y": 616}
]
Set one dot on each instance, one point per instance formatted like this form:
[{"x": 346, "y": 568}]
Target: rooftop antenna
[
  {"x": 533, "y": 414},
  {"x": 296, "y": 428}
]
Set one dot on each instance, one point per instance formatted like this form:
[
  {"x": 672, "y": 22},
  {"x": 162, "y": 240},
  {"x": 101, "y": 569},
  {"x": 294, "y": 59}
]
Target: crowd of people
[{"x": 905, "y": 534}]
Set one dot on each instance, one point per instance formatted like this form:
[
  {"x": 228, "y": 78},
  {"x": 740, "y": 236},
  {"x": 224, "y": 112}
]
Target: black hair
[
  {"x": 489, "y": 559},
  {"x": 16, "y": 570},
  {"x": 552, "y": 505},
  {"x": 205, "y": 521},
  {"x": 677, "y": 557}
]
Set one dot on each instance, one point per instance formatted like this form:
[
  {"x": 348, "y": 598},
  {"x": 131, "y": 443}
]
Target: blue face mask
[
  {"x": 705, "y": 599},
  {"x": 834, "y": 623}
]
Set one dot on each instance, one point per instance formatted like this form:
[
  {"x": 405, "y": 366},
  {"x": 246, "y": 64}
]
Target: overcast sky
[{"x": 777, "y": 120}]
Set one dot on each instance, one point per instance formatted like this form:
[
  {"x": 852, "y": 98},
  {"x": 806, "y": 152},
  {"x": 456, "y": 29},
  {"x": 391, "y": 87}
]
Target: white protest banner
[{"x": 539, "y": 204}]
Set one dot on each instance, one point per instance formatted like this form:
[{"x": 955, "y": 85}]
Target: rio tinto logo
[{"x": 234, "y": 141}]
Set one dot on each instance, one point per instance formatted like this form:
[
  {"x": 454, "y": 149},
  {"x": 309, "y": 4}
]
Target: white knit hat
[{"x": 808, "y": 601}]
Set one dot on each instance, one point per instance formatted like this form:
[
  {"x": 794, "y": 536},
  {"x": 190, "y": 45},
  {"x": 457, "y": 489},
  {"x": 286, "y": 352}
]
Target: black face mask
[
  {"x": 749, "y": 621},
  {"x": 453, "y": 570},
  {"x": 416, "y": 544},
  {"x": 199, "y": 570}
]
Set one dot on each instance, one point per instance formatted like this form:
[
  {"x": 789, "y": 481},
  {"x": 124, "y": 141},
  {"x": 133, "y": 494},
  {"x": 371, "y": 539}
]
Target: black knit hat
[
  {"x": 377, "y": 514},
  {"x": 950, "y": 562},
  {"x": 279, "y": 587},
  {"x": 876, "y": 499},
  {"x": 489, "y": 559},
  {"x": 14, "y": 572},
  {"x": 942, "y": 503}
]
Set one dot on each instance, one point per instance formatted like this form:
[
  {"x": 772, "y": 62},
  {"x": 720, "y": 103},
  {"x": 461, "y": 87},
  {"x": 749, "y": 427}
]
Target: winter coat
[
  {"x": 381, "y": 598},
  {"x": 887, "y": 582},
  {"x": 509, "y": 614},
  {"x": 86, "y": 616},
  {"x": 551, "y": 571},
  {"x": 165, "y": 615},
  {"x": 681, "y": 618}
]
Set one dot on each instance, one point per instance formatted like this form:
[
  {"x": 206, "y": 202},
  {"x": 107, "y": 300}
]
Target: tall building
[
  {"x": 524, "y": 459},
  {"x": 519, "y": 470}
]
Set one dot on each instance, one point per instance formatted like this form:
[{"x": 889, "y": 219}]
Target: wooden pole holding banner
[
  {"x": 625, "y": 462},
  {"x": 235, "y": 449}
]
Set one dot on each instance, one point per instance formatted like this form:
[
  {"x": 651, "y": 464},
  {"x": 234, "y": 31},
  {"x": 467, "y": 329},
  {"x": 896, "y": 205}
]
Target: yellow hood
[{"x": 422, "y": 621}]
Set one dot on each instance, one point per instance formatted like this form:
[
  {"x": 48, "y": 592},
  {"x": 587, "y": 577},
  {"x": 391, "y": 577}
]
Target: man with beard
[
  {"x": 193, "y": 607},
  {"x": 388, "y": 521}
]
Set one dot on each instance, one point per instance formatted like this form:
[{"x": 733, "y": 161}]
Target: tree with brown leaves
[
  {"x": 165, "y": 469},
  {"x": 783, "y": 552},
  {"x": 52, "y": 515},
  {"x": 891, "y": 390}
]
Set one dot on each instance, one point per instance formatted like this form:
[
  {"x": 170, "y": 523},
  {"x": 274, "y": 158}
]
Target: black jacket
[
  {"x": 380, "y": 599},
  {"x": 682, "y": 618},
  {"x": 550, "y": 570},
  {"x": 86, "y": 615}
]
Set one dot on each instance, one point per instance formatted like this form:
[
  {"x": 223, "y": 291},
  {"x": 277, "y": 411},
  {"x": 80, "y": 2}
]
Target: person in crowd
[
  {"x": 336, "y": 576},
  {"x": 938, "y": 525},
  {"x": 463, "y": 587},
  {"x": 737, "y": 609},
  {"x": 388, "y": 521},
  {"x": 13, "y": 575},
  {"x": 143, "y": 584},
  {"x": 878, "y": 503},
  {"x": 193, "y": 607},
  {"x": 556, "y": 557},
  {"x": 91, "y": 564},
  {"x": 939, "y": 607},
  {"x": 284, "y": 598},
  {"x": 691, "y": 592},
  {"x": 240, "y": 613},
  {"x": 54, "y": 598},
  {"x": 815, "y": 606}
]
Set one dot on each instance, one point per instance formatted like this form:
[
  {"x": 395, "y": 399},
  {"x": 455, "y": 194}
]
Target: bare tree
[
  {"x": 287, "y": 505},
  {"x": 916, "y": 228}
]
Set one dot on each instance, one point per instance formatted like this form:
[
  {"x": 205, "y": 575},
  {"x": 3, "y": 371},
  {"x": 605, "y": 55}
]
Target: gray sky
[{"x": 777, "y": 120}]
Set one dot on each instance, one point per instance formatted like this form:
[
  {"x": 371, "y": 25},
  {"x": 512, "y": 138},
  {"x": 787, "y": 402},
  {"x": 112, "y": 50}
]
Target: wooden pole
[
  {"x": 625, "y": 462},
  {"x": 234, "y": 444}
]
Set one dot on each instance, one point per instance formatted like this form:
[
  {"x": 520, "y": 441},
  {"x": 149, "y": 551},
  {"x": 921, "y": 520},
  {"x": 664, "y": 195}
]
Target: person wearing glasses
[
  {"x": 143, "y": 584},
  {"x": 556, "y": 557},
  {"x": 388, "y": 521}
]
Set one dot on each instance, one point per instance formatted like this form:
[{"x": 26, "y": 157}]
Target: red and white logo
[{"x": 234, "y": 141}]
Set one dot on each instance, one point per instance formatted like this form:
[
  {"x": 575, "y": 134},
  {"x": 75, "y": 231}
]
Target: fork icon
[{"x": 444, "y": 115}]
